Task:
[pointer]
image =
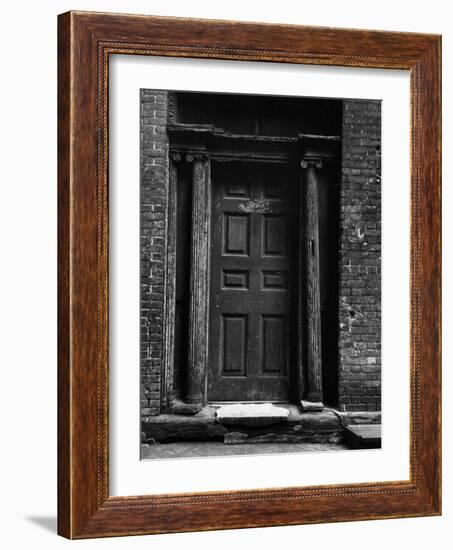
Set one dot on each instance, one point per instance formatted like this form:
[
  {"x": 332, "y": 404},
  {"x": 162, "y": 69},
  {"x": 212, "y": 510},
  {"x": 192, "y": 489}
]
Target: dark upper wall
[{"x": 260, "y": 115}]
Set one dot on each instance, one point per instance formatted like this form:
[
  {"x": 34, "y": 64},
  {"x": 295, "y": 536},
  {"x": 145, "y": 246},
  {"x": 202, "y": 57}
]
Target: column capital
[
  {"x": 315, "y": 162},
  {"x": 175, "y": 157},
  {"x": 197, "y": 156}
]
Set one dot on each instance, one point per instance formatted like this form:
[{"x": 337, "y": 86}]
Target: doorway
[{"x": 253, "y": 281}]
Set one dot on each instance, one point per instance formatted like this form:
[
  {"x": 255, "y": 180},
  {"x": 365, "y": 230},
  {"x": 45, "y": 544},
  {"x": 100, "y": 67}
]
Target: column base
[
  {"x": 311, "y": 406},
  {"x": 182, "y": 407}
]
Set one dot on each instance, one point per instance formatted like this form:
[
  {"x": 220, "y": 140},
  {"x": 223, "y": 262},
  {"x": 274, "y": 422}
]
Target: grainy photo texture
[{"x": 260, "y": 305}]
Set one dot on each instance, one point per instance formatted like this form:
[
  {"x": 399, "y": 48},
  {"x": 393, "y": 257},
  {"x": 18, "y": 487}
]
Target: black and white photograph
[{"x": 260, "y": 262}]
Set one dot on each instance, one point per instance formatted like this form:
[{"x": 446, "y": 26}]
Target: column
[
  {"x": 199, "y": 281},
  {"x": 170, "y": 283},
  {"x": 313, "y": 391}
]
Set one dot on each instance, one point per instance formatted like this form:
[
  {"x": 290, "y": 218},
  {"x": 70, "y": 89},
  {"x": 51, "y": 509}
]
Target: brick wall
[
  {"x": 360, "y": 258},
  {"x": 153, "y": 197}
]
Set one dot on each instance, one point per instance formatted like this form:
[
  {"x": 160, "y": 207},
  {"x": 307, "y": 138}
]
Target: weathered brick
[
  {"x": 154, "y": 171},
  {"x": 360, "y": 256}
]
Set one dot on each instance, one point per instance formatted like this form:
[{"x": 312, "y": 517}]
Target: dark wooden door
[{"x": 253, "y": 263}]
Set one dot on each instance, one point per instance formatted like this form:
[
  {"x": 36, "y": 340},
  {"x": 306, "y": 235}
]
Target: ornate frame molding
[{"x": 86, "y": 40}]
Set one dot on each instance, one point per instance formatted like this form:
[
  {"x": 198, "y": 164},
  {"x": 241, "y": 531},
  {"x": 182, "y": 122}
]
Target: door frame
[{"x": 200, "y": 145}]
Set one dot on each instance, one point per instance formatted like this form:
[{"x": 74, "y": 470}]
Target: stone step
[
  {"x": 363, "y": 436},
  {"x": 250, "y": 414},
  {"x": 292, "y": 426}
]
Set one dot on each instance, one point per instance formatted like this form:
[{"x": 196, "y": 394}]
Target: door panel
[
  {"x": 274, "y": 344},
  {"x": 253, "y": 264},
  {"x": 274, "y": 237},
  {"x": 236, "y": 233},
  {"x": 234, "y": 345}
]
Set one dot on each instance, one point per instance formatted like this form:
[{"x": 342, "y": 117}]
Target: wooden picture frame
[{"x": 85, "y": 41}]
